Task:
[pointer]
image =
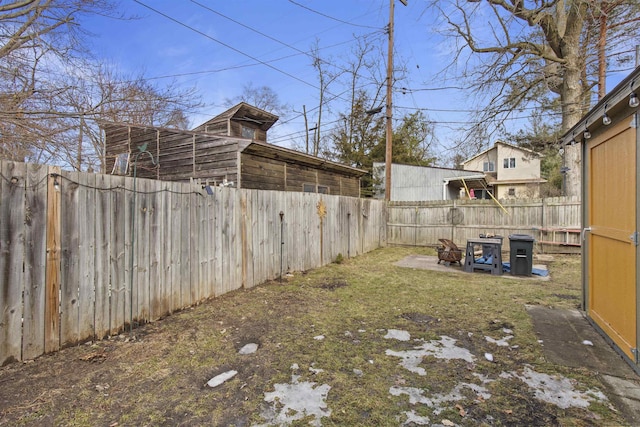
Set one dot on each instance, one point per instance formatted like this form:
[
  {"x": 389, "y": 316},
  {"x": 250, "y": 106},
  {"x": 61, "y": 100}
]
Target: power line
[
  {"x": 266, "y": 64},
  {"x": 308, "y": 54},
  {"x": 331, "y": 17}
]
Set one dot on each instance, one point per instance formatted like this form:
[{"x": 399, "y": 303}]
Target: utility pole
[{"x": 389, "y": 113}]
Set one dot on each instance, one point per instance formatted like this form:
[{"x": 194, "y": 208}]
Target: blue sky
[{"x": 198, "y": 44}]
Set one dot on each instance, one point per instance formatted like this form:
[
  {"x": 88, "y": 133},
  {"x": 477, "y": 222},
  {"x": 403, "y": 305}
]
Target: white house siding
[
  {"x": 420, "y": 183},
  {"x": 527, "y": 164}
]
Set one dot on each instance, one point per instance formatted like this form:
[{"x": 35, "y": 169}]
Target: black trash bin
[{"x": 521, "y": 254}]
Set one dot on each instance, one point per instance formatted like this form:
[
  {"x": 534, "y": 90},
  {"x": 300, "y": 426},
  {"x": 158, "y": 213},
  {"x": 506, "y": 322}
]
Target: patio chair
[{"x": 449, "y": 252}]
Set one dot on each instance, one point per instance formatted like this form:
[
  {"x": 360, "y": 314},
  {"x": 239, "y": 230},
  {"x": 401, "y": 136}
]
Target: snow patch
[
  {"x": 444, "y": 348},
  {"x": 295, "y": 401},
  {"x": 397, "y": 334},
  {"x": 556, "y": 389},
  {"x": 503, "y": 342}
]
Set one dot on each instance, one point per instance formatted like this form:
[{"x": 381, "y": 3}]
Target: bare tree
[
  {"x": 327, "y": 75},
  {"x": 262, "y": 97},
  {"x": 525, "y": 46},
  {"x": 102, "y": 94},
  {"x": 38, "y": 40},
  {"x": 46, "y": 25},
  {"x": 615, "y": 24}
]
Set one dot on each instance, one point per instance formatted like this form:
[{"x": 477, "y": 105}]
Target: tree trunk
[{"x": 571, "y": 98}]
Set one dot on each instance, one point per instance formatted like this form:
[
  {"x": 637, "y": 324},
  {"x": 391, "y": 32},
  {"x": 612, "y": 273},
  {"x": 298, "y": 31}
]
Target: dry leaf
[
  {"x": 508, "y": 411},
  {"x": 461, "y": 410},
  {"x": 94, "y": 356},
  {"x": 447, "y": 423}
]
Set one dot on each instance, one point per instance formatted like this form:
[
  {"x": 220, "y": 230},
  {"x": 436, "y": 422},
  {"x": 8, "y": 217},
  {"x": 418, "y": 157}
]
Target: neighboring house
[
  {"x": 511, "y": 172},
  {"x": 422, "y": 183},
  {"x": 215, "y": 153}
]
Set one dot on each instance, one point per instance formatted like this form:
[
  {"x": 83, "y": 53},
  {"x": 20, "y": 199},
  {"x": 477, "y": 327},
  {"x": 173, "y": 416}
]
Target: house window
[
  {"x": 488, "y": 167},
  {"x": 248, "y": 132},
  {"x": 512, "y": 191},
  {"x": 323, "y": 189},
  {"x": 509, "y": 163}
]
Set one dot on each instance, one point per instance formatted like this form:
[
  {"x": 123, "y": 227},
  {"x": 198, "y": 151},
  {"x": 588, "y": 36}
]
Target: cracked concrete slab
[{"x": 563, "y": 333}]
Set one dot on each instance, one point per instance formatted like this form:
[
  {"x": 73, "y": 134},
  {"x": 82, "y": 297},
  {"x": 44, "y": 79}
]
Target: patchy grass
[{"x": 160, "y": 378}]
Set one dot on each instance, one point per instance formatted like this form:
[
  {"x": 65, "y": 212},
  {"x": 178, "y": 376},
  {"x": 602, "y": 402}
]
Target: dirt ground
[
  {"x": 330, "y": 326},
  {"x": 105, "y": 382}
]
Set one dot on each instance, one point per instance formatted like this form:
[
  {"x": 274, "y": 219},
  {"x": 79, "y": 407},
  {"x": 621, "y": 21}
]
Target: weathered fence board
[
  {"x": 11, "y": 259},
  {"x": 84, "y": 256},
  {"x": 70, "y": 254},
  {"x": 118, "y": 255},
  {"x": 424, "y": 223},
  {"x": 53, "y": 272},
  {"x": 103, "y": 211},
  {"x": 35, "y": 261}
]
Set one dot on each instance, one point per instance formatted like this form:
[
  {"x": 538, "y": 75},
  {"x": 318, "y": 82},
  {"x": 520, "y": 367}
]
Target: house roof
[
  {"x": 243, "y": 112},
  {"x": 616, "y": 102},
  {"x": 495, "y": 145}
]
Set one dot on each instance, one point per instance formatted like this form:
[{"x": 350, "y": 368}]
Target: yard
[{"x": 361, "y": 343}]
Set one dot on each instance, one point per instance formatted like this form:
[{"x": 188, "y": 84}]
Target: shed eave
[
  {"x": 617, "y": 100},
  {"x": 303, "y": 158}
]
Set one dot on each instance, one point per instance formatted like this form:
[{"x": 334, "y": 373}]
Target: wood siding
[
  {"x": 84, "y": 255},
  {"x": 212, "y": 159},
  {"x": 179, "y": 155},
  {"x": 264, "y": 173}
]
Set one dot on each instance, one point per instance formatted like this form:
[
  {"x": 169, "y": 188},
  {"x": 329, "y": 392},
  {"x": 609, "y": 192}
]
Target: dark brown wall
[
  {"x": 262, "y": 173},
  {"x": 219, "y": 128},
  {"x": 179, "y": 155}
]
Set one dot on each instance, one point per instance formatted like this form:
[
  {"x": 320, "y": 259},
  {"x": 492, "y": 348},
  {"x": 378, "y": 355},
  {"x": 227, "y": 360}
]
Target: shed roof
[
  {"x": 280, "y": 153},
  {"x": 615, "y": 102},
  {"x": 244, "y": 112}
]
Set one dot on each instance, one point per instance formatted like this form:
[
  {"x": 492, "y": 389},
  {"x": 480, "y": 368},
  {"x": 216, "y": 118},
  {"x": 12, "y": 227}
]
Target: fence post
[{"x": 52, "y": 269}]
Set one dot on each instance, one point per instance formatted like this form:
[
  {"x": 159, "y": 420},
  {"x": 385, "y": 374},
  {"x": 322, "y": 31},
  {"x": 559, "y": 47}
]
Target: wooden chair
[{"x": 449, "y": 252}]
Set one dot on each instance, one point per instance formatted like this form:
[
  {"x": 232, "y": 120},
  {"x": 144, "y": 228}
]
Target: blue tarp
[{"x": 506, "y": 267}]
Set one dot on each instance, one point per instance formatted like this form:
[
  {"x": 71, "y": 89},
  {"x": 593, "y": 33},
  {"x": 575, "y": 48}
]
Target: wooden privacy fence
[
  {"x": 82, "y": 255},
  {"x": 553, "y": 222}
]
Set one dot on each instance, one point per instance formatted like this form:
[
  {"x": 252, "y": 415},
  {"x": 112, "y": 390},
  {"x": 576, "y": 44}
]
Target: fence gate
[{"x": 610, "y": 280}]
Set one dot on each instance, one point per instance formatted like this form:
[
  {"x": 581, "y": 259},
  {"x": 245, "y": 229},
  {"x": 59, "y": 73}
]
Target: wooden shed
[
  {"x": 215, "y": 159},
  {"x": 609, "y": 139}
]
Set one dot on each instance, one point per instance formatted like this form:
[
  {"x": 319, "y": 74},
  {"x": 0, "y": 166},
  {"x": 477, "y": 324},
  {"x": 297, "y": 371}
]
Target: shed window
[
  {"x": 121, "y": 164},
  {"x": 248, "y": 132},
  {"x": 312, "y": 188},
  {"x": 512, "y": 191},
  {"x": 509, "y": 163},
  {"x": 488, "y": 166}
]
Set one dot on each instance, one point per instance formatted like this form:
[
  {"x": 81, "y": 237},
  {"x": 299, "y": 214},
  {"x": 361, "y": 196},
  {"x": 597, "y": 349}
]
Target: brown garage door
[{"x": 611, "y": 214}]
